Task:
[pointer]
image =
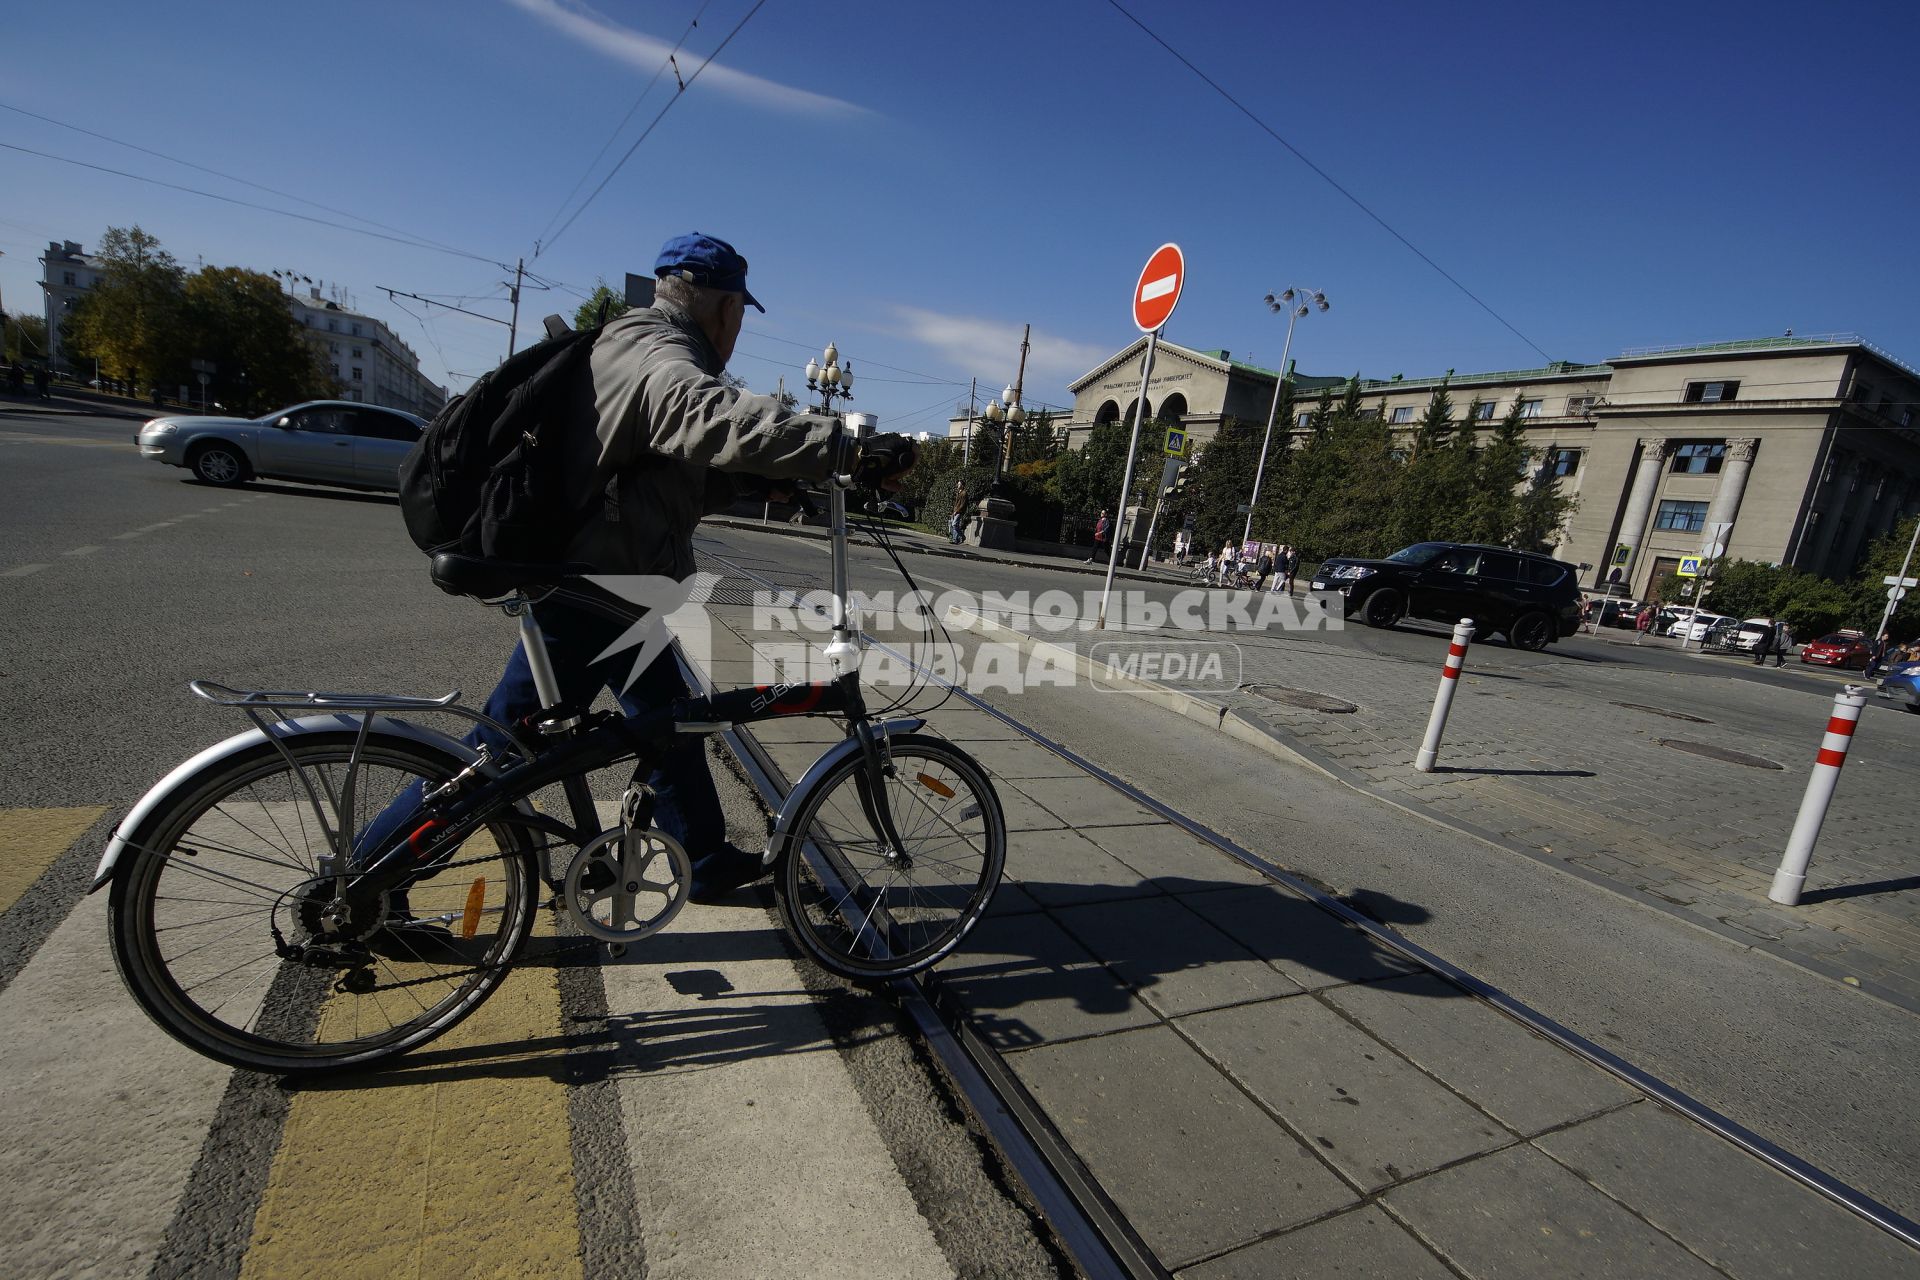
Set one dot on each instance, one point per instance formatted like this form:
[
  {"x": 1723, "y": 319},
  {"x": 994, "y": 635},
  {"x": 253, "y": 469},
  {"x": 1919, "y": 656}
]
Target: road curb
[
  {"x": 1279, "y": 744},
  {"x": 910, "y": 543}
]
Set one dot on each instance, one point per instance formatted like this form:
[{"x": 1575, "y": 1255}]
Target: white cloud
[
  {"x": 976, "y": 344},
  {"x": 600, "y": 33}
]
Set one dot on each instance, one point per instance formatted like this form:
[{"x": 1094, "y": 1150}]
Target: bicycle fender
[
  {"x": 167, "y": 787},
  {"x": 789, "y": 811}
]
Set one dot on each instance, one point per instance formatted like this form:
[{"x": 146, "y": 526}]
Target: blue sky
[{"x": 916, "y": 181}]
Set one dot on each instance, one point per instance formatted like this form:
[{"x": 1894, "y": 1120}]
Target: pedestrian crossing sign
[
  {"x": 1176, "y": 446},
  {"x": 1689, "y": 567},
  {"x": 1622, "y": 552}
]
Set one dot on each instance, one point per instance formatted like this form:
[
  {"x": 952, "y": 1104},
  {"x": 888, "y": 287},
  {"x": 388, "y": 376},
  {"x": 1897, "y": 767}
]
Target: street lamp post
[
  {"x": 828, "y": 377},
  {"x": 1296, "y": 302}
]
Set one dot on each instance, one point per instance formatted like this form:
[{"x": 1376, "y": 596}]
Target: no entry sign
[{"x": 1159, "y": 287}]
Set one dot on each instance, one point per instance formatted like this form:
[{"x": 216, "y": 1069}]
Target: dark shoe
[{"x": 716, "y": 883}]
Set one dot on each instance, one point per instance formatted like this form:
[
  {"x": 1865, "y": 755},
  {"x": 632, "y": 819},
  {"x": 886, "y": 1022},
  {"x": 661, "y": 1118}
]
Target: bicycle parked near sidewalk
[{"x": 248, "y": 921}]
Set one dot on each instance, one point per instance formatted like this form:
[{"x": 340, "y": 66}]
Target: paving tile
[
  {"x": 1024, "y": 814},
  {"x": 1174, "y": 860},
  {"x": 1087, "y": 802},
  {"x": 1025, "y": 982},
  {"x": 1309, "y": 945},
  {"x": 1524, "y": 1080},
  {"x": 1710, "y": 1196},
  {"x": 1194, "y": 1166},
  {"x": 1063, "y": 868},
  {"x": 1018, "y": 761},
  {"x": 1374, "y": 1115},
  {"x": 1176, "y": 961},
  {"x": 1361, "y": 1244},
  {"x": 1517, "y": 1215}
]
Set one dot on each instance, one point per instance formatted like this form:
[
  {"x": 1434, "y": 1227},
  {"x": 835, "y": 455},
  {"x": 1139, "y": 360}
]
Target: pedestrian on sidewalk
[
  {"x": 956, "y": 523},
  {"x": 1782, "y": 642},
  {"x": 40, "y": 383},
  {"x": 1769, "y": 637},
  {"x": 1261, "y": 569},
  {"x": 1642, "y": 623},
  {"x": 1292, "y": 554},
  {"x": 1102, "y": 530}
]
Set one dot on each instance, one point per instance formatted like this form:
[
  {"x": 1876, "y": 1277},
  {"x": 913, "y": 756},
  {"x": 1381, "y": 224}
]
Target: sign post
[
  {"x": 1899, "y": 582},
  {"x": 1154, "y": 296}
]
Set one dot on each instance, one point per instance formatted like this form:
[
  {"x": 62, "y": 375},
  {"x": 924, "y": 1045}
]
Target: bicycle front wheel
[
  {"x": 864, "y": 911},
  {"x": 229, "y": 930}
]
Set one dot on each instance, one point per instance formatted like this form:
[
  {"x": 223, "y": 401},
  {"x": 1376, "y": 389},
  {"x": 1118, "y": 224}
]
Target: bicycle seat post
[{"x": 534, "y": 642}]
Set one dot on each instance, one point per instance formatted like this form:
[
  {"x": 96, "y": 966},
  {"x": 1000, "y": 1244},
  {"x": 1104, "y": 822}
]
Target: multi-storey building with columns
[{"x": 1802, "y": 449}]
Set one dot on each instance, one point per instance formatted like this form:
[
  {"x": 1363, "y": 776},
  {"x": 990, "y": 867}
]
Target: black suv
[{"x": 1534, "y": 599}]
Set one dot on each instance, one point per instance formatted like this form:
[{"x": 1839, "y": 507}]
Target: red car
[{"x": 1841, "y": 649}]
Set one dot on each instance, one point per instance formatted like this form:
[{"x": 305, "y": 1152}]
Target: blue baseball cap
[{"x": 706, "y": 261}]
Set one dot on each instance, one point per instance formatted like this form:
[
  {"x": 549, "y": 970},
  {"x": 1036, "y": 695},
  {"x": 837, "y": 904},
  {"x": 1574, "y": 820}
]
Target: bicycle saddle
[{"x": 460, "y": 575}]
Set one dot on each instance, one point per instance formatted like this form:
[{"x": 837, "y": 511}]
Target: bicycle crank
[{"x": 625, "y": 884}]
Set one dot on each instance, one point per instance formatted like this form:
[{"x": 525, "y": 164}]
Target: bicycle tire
[
  {"x": 298, "y": 1001},
  {"x": 821, "y": 877}
]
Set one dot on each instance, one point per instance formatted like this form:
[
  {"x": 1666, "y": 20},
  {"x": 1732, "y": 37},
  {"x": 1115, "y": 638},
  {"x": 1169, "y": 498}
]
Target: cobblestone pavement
[{"x": 1577, "y": 759}]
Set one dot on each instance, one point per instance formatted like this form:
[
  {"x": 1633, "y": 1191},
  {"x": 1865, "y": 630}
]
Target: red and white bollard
[
  {"x": 1787, "y": 881},
  {"x": 1443, "y": 698}
]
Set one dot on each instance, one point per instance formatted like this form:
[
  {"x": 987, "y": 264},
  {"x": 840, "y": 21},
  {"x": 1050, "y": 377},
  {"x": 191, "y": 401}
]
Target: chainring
[{"x": 625, "y": 885}]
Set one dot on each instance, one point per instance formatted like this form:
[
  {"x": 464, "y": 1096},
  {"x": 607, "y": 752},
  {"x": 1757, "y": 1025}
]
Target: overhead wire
[
  {"x": 617, "y": 129},
  {"x": 1326, "y": 177},
  {"x": 249, "y": 204},
  {"x": 648, "y": 131},
  {"x": 229, "y": 177}
]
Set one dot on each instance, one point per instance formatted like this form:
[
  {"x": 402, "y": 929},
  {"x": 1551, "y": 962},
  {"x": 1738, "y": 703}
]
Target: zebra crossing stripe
[
  {"x": 454, "y": 1161},
  {"x": 30, "y": 839}
]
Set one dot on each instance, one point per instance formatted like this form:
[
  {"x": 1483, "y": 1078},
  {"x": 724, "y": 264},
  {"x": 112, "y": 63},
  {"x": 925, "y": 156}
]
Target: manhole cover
[
  {"x": 1305, "y": 699},
  {"x": 1662, "y": 711},
  {"x": 1712, "y": 752}
]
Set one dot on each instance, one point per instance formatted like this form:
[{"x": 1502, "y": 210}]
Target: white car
[
  {"x": 339, "y": 442},
  {"x": 1696, "y": 626}
]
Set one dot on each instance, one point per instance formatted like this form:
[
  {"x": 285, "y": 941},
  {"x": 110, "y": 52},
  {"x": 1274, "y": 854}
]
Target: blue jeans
[{"x": 686, "y": 806}]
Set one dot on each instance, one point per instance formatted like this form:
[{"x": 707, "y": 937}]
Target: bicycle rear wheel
[
  {"x": 863, "y": 913},
  {"x": 228, "y": 934}
]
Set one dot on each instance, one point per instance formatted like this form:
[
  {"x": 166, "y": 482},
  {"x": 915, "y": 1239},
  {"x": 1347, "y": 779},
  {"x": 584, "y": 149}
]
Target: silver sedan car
[{"x": 321, "y": 442}]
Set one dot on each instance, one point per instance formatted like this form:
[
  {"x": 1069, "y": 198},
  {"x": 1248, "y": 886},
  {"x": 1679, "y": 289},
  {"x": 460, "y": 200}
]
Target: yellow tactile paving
[
  {"x": 456, "y": 1166},
  {"x": 30, "y": 839}
]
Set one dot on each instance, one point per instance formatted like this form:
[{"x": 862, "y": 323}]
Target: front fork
[{"x": 876, "y": 766}]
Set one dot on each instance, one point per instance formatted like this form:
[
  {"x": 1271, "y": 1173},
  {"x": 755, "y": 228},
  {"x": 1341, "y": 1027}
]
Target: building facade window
[
  {"x": 1711, "y": 392},
  {"x": 1529, "y": 408},
  {"x": 336, "y": 370},
  {"x": 356, "y": 353},
  {"x": 1699, "y": 458},
  {"x": 1563, "y": 462},
  {"x": 1483, "y": 412},
  {"x": 66, "y": 278},
  {"x": 1684, "y": 517},
  {"x": 333, "y": 326},
  {"x": 1368, "y": 413},
  {"x": 1579, "y": 406},
  {"x": 356, "y": 374},
  {"x": 1403, "y": 414},
  {"x": 356, "y": 329}
]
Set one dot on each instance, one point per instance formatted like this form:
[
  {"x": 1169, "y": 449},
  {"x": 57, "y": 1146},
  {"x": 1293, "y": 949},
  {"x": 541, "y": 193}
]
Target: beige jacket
[{"x": 667, "y": 432}]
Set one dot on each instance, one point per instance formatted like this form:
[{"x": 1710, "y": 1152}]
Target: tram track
[{"x": 1089, "y": 1225}]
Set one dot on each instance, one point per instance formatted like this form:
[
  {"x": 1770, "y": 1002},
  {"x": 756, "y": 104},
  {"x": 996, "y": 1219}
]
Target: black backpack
[{"x": 485, "y": 478}]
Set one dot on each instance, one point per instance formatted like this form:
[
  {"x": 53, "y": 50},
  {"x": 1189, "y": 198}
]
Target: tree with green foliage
[
  {"x": 1220, "y": 481},
  {"x": 1434, "y": 495},
  {"x": 587, "y": 314},
  {"x": 1882, "y": 560},
  {"x": 238, "y": 320},
  {"x": 130, "y": 320},
  {"x": 25, "y": 339}
]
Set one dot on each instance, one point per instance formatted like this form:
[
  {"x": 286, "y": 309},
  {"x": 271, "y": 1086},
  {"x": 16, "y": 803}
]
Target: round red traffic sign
[{"x": 1159, "y": 287}]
